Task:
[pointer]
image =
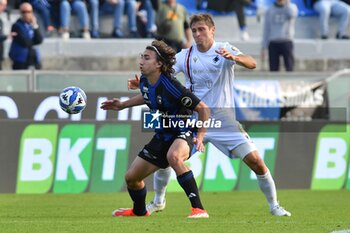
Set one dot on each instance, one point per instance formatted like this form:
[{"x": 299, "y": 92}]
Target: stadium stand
[
  {"x": 110, "y": 54},
  {"x": 251, "y": 10}
]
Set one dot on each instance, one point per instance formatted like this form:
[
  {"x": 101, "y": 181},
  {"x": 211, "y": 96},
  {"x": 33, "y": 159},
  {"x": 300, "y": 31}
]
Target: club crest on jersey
[
  {"x": 216, "y": 59},
  {"x": 159, "y": 99},
  {"x": 195, "y": 59}
]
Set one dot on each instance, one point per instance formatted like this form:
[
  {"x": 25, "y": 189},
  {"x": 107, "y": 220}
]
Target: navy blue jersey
[{"x": 172, "y": 99}]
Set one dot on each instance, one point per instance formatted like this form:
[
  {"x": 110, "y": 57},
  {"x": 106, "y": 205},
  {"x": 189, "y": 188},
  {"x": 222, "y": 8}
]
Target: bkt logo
[
  {"x": 73, "y": 159},
  {"x": 152, "y": 120}
]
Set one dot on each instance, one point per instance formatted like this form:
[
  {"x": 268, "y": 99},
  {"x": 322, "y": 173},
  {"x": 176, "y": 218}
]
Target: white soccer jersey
[{"x": 210, "y": 77}]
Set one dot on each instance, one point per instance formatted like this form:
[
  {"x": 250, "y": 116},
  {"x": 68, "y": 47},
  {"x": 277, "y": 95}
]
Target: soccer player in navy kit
[
  {"x": 169, "y": 146},
  {"x": 209, "y": 70}
]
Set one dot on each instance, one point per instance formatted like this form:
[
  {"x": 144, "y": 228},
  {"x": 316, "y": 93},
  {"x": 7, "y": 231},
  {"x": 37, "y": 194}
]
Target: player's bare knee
[
  {"x": 174, "y": 159},
  {"x": 130, "y": 180},
  {"x": 260, "y": 169},
  {"x": 255, "y": 163}
]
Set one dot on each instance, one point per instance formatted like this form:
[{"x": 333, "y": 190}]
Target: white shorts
[{"x": 233, "y": 143}]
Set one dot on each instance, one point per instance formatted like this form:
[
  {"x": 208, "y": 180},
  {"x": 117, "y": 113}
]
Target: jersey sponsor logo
[
  {"x": 145, "y": 89},
  {"x": 145, "y": 96},
  {"x": 186, "y": 101},
  {"x": 209, "y": 83},
  {"x": 206, "y": 71}
]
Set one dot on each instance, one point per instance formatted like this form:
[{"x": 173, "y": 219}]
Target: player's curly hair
[{"x": 165, "y": 54}]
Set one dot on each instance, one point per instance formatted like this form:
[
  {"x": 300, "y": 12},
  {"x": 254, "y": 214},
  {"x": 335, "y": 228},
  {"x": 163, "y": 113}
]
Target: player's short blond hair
[{"x": 206, "y": 18}]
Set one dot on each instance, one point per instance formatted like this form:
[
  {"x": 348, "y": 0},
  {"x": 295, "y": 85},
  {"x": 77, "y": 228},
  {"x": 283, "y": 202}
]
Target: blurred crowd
[
  {"x": 142, "y": 15},
  {"x": 161, "y": 19}
]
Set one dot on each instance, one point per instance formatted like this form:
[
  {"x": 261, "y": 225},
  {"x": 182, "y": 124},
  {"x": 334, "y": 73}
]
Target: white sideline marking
[{"x": 342, "y": 231}]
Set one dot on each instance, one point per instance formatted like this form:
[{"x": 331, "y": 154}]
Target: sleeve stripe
[
  {"x": 187, "y": 61},
  {"x": 171, "y": 88}
]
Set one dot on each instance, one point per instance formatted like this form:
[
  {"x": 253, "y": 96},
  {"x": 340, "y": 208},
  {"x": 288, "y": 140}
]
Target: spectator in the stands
[
  {"x": 80, "y": 9},
  {"x": 3, "y": 37},
  {"x": 173, "y": 25},
  {"x": 116, "y": 7},
  {"x": 94, "y": 7},
  {"x": 239, "y": 10},
  {"x": 146, "y": 17},
  {"x": 278, "y": 34},
  {"x": 43, "y": 9},
  {"x": 328, "y": 8},
  {"x": 227, "y": 6},
  {"x": 26, "y": 34}
]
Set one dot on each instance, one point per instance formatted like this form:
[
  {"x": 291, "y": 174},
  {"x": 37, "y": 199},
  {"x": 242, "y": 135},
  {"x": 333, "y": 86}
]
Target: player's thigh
[
  {"x": 237, "y": 144},
  {"x": 244, "y": 149},
  {"x": 178, "y": 151},
  {"x": 226, "y": 142},
  {"x": 140, "y": 169},
  {"x": 155, "y": 152}
]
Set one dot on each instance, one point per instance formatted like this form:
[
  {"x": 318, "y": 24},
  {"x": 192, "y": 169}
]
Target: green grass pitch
[{"x": 241, "y": 211}]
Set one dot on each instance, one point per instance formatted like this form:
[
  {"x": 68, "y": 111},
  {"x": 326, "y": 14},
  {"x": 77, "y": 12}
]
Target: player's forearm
[
  {"x": 245, "y": 61},
  {"x": 134, "y": 101},
  {"x": 203, "y": 116}
]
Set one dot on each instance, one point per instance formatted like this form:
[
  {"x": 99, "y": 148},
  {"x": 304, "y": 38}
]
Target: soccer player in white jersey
[{"x": 209, "y": 69}]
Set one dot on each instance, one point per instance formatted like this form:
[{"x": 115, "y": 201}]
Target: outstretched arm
[
  {"x": 203, "y": 115},
  {"x": 116, "y": 105},
  {"x": 241, "y": 59}
]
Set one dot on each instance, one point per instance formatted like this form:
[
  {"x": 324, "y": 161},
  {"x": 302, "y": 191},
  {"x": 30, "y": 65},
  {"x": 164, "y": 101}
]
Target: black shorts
[{"x": 156, "y": 150}]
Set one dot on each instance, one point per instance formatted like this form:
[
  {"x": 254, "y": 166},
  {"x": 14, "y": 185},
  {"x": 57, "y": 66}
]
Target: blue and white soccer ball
[{"x": 72, "y": 100}]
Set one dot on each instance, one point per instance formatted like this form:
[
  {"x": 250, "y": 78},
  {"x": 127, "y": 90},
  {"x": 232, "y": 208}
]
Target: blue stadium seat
[
  {"x": 190, "y": 6},
  {"x": 305, "y": 9},
  {"x": 252, "y": 9},
  {"x": 264, "y": 3}
]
